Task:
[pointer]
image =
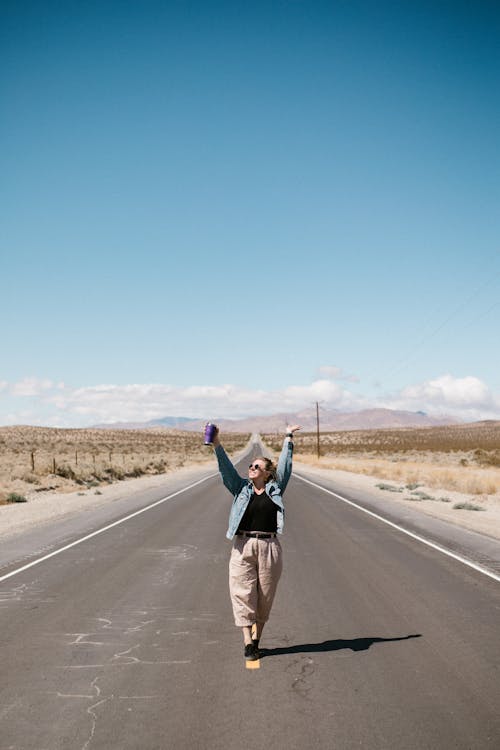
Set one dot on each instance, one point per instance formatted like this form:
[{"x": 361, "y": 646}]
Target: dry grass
[
  {"x": 464, "y": 458},
  {"x": 35, "y": 459}
]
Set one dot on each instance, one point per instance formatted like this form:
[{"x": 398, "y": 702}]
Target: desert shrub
[
  {"x": 66, "y": 472},
  {"x": 137, "y": 471},
  {"x": 487, "y": 458},
  {"x": 389, "y": 487},
  {"x": 30, "y": 478},
  {"x": 91, "y": 483},
  {"x": 114, "y": 472},
  {"x": 423, "y": 495},
  {"x": 467, "y": 506},
  {"x": 14, "y": 497}
]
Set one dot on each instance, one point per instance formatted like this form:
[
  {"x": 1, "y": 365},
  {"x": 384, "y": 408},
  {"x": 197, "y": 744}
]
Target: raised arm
[
  {"x": 284, "y": 467},
  {"x": 232, "y": 480}
]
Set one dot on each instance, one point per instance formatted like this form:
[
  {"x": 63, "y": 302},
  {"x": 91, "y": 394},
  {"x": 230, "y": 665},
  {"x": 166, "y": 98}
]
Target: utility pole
[{"x": 317, "y": 428}]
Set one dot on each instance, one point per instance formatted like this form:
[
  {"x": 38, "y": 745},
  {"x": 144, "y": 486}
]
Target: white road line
[
  {"x": 104, "y": 528},
  {"x": 419, "y": 538}
]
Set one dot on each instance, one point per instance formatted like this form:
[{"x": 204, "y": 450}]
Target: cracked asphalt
[{"x": 126, "y": 641}]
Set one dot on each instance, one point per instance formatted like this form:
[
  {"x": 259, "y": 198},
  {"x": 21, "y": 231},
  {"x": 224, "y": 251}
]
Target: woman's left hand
[{"x": 293, "y": 428}]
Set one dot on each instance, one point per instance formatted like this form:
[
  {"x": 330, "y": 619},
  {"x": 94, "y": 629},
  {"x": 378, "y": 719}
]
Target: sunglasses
[{"x": 256, "y": 466}]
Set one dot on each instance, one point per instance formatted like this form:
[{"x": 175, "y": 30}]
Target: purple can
[{"x": 210, "y": 433}]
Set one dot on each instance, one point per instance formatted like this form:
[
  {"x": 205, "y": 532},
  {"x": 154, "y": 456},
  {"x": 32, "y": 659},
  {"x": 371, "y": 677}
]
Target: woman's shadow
[{"x": 355, "y": 644}]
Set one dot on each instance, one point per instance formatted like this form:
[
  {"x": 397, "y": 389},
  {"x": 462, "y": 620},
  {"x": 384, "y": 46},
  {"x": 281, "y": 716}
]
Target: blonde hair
[{"x": 269, "y": 465}]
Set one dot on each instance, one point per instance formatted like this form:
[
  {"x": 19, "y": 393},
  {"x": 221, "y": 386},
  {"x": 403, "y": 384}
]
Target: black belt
[{"x": 255, "y": 534}]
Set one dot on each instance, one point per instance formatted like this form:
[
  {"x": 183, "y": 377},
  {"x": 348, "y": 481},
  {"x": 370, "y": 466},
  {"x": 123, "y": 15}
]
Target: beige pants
[{"x": 254, "y": 571}]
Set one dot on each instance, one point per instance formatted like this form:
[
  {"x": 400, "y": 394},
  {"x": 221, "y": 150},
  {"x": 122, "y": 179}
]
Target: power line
[{"x": 423, "y": 340}]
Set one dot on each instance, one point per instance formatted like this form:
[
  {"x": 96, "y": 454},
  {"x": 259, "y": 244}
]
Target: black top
[{"x": 260, "y": 514}]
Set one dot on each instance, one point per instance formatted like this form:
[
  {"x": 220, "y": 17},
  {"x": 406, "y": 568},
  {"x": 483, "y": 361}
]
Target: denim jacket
[{"x": 242, "y": 489}]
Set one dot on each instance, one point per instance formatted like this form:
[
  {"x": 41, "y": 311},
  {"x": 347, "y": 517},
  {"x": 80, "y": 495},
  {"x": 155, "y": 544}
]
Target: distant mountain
[
  {"x": 173, "y": 423},
  {"x": 330, "y": 420},
  {"x": 178, "y": 423}
]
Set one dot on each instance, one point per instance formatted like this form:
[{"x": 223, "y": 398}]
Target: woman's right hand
[{"x": 216, "y": 441}]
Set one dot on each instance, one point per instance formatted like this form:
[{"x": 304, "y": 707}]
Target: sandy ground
[
  {"x": 38, "y": 459},
  {"x": 485, "y": 521}
]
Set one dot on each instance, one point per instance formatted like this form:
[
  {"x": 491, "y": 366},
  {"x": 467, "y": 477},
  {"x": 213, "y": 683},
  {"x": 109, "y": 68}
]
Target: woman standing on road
[{"x": 257, "y": 516}]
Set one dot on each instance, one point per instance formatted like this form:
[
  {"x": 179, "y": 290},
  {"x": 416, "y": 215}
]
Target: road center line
[
  {"x": 411, "y": 534},
  {"x": 104, "y": 528}
]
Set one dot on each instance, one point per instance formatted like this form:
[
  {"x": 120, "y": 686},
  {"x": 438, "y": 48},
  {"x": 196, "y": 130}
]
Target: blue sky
[{"x": 219, "y": 209}]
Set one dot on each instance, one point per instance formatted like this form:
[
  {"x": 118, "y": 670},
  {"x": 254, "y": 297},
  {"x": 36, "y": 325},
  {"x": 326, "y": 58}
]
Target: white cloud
[
  {"x": 3, "y": 385},
  {"x": 30, "y": 387},
  {"x": 466, "y": 398},
  {"x": 336, "y": 373},
  {"x": 320, "y": 390},
  {"x": 447, "y": 390}
]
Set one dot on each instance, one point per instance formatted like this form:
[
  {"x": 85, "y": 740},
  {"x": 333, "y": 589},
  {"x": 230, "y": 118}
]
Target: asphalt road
[{"x": 126, "y": 640}]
